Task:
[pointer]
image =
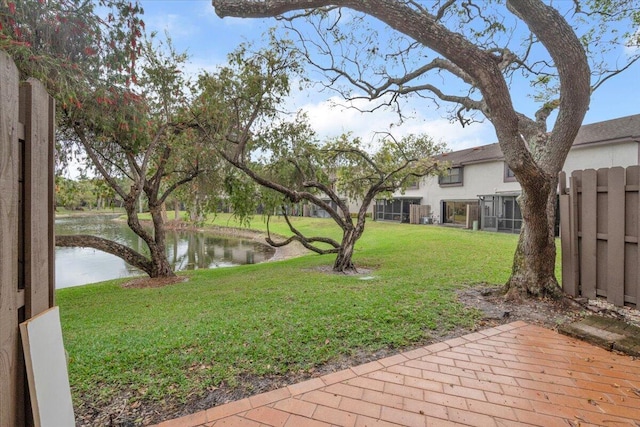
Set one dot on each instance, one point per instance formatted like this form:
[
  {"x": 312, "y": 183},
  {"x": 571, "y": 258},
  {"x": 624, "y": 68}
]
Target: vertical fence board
[
  {"x": 562, "y": 183},
  {"x": 11, "y": 380},
  {"x": 568, "y": 280},
  {"x": 615, "y": 236},
  {"x": 575, "y": 181},
  {"x": 34, "y": 112},
  {"x": 602, "y": 228},
  {"x": 588, "y": 258},
  {"x": 51, "y": 185},
  {"x": 633, "y": 177},
  {"x": 631, "y": 233}
]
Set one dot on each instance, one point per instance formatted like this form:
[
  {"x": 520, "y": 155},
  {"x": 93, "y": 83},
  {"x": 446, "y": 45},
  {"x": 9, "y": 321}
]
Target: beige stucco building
[{"x": 480, "y": 187}]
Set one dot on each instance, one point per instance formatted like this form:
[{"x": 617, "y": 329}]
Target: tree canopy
[
  {"x": 241, "y": 110},
  {"x": 121, "y": 101},
  {"x": 471, "y": 56},
  {"x": 141, "y": 135}
]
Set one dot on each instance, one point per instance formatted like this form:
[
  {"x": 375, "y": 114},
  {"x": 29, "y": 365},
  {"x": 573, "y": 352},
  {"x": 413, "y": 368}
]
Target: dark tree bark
[
  {"x": 344, "y": 259},
  {"x": 535, "y": 156},
  {"x": 159, "y": 265},
  {"x": 109, "y": 246},
  {"x": 534, "y": 261}
]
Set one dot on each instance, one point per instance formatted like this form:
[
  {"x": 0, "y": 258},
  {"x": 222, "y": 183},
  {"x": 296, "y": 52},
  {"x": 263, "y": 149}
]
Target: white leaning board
[{"x": 47, "y": 370}]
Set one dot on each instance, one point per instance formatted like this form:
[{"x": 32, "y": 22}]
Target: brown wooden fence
[
  {"x": 26, "y": 226},
  {"x": 417, "y": 213},
  {"x": 600, "y": 229}
]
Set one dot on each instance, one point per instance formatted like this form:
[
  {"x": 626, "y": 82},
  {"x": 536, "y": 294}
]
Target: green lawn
[{"x": 181, "y": 340}]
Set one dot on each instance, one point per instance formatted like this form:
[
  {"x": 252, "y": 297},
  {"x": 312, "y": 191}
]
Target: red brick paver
[{"x": 511, "y": 375}]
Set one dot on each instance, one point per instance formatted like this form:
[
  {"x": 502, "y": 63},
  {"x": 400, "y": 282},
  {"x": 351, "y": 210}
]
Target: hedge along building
[{"x": 479, "y": 186}]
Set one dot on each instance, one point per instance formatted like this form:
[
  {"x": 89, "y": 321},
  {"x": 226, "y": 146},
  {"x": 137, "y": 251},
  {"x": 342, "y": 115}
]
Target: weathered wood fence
[
  {"x": 417, "y": 212},
  {"x": 600, "y": 230},
  {"x": 26, "y": 226}
]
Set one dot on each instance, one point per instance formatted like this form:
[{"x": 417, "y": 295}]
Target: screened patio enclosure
[
  {"x": 397, "y": 209},
  {"x": 500, "y": 212}
]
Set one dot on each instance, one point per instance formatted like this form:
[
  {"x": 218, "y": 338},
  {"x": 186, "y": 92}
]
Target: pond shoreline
[
  {"x": 292, "y": 250},
  {"x": 188, "y": 246}
]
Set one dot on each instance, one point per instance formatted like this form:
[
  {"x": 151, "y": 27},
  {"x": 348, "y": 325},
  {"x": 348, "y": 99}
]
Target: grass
[
  {"x": 182, "y": 340},
  {"x": 62, "y": 211}
]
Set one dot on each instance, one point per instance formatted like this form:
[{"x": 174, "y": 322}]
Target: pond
[{"x": 187, "y": 250}]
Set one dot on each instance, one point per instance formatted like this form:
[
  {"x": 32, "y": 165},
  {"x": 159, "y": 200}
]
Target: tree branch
[
  {"x": 614, "y": 73},
  {"x": 96, "y": 162},
  {"x": 299, "y": 237},
  {"x": 109, "y": 246}
]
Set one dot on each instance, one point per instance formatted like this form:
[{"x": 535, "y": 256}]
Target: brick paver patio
[{"x": 511, "y": 375}]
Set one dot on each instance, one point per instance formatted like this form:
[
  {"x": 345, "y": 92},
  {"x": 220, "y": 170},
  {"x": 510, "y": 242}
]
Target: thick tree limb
[
  {"x": 109, "y": 246},
  {"x": 573, "y": 70},
  {"x": 84, "y": 140},
  {"x": 426, "y": 29},
  {"x": 307, "y": 242}
]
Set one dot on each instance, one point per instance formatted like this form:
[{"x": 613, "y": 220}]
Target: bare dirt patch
[{"x": 496, "y": 310}]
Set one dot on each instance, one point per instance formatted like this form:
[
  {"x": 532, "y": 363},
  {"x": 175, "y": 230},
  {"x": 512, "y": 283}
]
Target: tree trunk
[
  {"x": 195, "y": 214},
  {"x": 159, "y": 263},
  {"x": 344, "y": 261},
  {"x": 161, "y": 267},
  {"x": 159, "y": 260},
  {"x": 533, "y": 272}
]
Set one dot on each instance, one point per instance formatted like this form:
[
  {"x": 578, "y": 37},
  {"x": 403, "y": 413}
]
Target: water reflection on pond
[{"x": 186, "y": 250}]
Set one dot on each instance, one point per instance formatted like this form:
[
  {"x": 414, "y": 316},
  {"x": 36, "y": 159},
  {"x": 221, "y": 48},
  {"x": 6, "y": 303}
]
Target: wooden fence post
[
  {"x": 615, "y": 236},
  {"x": 567, "y": 232},
  {"x": 589, "y": 226},
  {"x": 26, "y": 226},
  {"x": 11, "y": 298},
  {"x": 38, "y": 204}
]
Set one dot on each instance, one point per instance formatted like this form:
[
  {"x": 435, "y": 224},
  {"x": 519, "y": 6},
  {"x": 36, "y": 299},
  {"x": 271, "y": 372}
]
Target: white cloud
[
  {"x": 328, "y": 118},
  {"x": 194, "y": 68},
  {"x": 175, "y": 25}
]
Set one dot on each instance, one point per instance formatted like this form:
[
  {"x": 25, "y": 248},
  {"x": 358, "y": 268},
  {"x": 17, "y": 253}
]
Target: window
[
  {"x": 509, "y": 176},
  {"x": 451, "y": 176},
  {"x": 413, "y": 183},
  {"x": 456, "y": 211}
]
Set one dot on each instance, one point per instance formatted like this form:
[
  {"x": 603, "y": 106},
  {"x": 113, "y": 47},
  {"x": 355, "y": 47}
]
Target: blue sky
[{"x": 194, "y": 27}]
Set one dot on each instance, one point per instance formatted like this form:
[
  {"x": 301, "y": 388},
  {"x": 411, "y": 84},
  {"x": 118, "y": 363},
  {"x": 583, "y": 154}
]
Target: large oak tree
[{"x": 482, "y": 47}]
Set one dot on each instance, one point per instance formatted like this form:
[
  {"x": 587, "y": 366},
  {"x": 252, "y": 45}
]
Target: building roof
[
  {"x": 483, "y": 153},
  {"x": 610, "y": 131},
  {"x": 615, "y": 130}
]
